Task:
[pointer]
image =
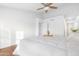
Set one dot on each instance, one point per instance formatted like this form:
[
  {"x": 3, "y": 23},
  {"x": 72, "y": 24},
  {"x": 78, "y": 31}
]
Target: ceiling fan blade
[
  {"x": 53, "y": 7},
  {"x": 50, "y": 4},
  {"x": 44, "y": 4},
  {"x": 40, "y": 8}
]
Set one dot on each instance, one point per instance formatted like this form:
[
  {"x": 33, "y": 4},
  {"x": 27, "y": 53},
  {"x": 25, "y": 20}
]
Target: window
[{"x": 19, "y": 35}]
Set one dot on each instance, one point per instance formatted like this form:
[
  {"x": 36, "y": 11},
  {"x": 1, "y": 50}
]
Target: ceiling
[
  {"x": 34, "y": 6},
  {"x": 22, "y": 6}
]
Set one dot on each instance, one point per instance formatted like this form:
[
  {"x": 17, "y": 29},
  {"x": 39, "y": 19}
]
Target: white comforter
[{"x": 54, "y": 46}]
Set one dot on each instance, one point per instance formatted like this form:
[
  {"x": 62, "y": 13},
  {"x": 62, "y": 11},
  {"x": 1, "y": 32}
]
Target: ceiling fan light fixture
[{"x": 46, "y": 8}]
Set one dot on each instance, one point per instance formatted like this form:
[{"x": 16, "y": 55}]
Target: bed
[
  {"x": 43, "y": 46},
  {"x": 50, "y": 46}
]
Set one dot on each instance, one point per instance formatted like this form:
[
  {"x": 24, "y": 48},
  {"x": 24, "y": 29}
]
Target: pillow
[{"x": 8, "y": 51}]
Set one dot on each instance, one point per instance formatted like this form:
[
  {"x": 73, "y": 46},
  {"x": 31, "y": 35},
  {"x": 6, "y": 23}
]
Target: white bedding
[
  {"x": 43, "y": 46},
  {"x": 54, "y": 46}
]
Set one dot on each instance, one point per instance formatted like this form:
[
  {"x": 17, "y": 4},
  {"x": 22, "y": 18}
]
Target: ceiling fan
[{"x": 47, "y": 6}]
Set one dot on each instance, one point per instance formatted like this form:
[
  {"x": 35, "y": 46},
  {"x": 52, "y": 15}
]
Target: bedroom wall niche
[{"x": 56, "y": 25}]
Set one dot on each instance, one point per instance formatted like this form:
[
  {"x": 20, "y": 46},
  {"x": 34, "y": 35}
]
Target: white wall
[{"x": 12, "y": 20}]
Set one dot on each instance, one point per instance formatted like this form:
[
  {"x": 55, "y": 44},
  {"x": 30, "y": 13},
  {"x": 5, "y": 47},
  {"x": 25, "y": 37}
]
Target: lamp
[{"x": 75, "y": 27}]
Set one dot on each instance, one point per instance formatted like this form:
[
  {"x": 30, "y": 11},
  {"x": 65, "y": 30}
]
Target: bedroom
[{"x": 39, "y": 33}]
